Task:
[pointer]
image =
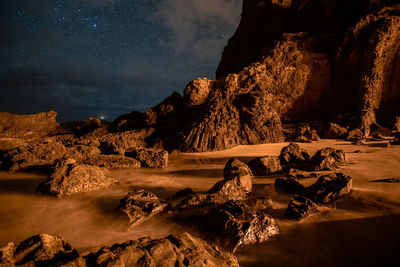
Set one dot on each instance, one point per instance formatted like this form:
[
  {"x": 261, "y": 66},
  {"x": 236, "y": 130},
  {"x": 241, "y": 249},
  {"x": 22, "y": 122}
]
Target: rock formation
[
  {"x": 25, "y": 126},
  {"x": 70, "y": 178}
]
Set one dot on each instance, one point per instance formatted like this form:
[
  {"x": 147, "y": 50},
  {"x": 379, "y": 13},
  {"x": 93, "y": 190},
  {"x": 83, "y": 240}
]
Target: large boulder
[
  {"x": 265, "y": 165},
  {"x": 69, "y": 178},
  {"x": 36, "y": 155},
  {"x": 293, "y": 154},
  {"x": 140, "y": 205},
  {"x": 197, "y": 91},
  {"x": 38, "y": 250},
  {"x": 329, "y": 188},
  {"x": 173, "y": 250},
  {"x": 328, "y": 159},
  {"x": 25, "y": 126}
]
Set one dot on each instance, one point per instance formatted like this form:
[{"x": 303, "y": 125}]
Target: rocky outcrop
[
  {"x": 329, "y": 188},
  {"x": 26, "y": 126},
  {"x": 334, "y": 131},
  {"x": 38, "y": 250},
  {"x": 36, "y": 155},
  {"x": 69, "y": 178},
  {"x": 265, "y": 165},
  {"x": 140, "y": 205},
  {"x": 173, "y": 250}
]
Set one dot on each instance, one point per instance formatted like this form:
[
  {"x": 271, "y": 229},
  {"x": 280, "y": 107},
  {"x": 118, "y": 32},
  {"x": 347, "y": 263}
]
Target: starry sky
[{"x": 103, "y": 58}]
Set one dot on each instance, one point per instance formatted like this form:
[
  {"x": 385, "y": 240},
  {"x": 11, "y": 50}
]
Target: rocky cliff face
[{"x": 291, "y": 61}]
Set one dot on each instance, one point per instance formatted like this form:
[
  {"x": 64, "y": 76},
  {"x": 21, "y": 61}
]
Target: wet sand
[{"x": 361, "y": 229}]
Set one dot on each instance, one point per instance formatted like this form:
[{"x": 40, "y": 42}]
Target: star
[{"x": 94, "y": 25}]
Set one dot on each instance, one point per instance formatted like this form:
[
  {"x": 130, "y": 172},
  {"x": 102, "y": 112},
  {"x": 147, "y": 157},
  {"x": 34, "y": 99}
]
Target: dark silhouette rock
[
  {"x": 36, "y": 155},
  {"x": 38, "y": 250},
  {"x": 148, "y": 157},
  {"x": 26, "y": 126},
  {"x": 265, "y": 165},
  {"x": 70, "y": 178},
  {"x": 381, "y": 132},
  {"x": 328, "y": 159},
  {"x": 113, "y": 162},
  {"x": 173, "y": 250},
  {"x": 289, "y": 185},
  {"x": 329, "y": 188},
  {"x": 293, "y": 154},
  {"x": 140, "y": 205},
  {"x": 300, "y": 208},
  {"x": 305, "y": 134},
  {"x": 180, "y": 197},
  {"x": 334, "y": 131}
]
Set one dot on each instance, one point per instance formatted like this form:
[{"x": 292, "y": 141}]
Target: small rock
[
  {"x": 293, "y": 154},
  {"x": 265, "y": 165},
  {"x": 70, "y": 178},
  {"x": 335, "y": 131},
  {"x": 329, "y": 188},
  {"x": 328, "y": 159},
  {"x": 289, "y": 185},
  {"x": 305, "y": 134},
  {"x": 140, "y": 205},
  {"x": 387, "y": 180},
  {"x": 148, "y": 157},
  {"x": 300, "y": 208}
]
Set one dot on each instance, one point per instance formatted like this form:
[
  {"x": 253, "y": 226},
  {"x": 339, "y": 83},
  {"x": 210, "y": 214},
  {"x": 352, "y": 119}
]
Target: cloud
[{"x": 200, "y": 28}]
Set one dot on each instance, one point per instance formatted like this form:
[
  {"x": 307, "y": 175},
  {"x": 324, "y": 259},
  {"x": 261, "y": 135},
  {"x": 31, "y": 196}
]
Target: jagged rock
[
  {"x": 118, "y": 143},
  {"x": 70, "y": 178},
  {"x": 293, "y": 154},
  {"x": 113, "y": 162},
  {"x": 335, "y": 131},
  {"x": 140, "y": 205},
  {"x": 289, "y": 185},
  {"x": 36, "y": 155},
  {"x": 180, "y": 197},
  {"x": 355, "y": 135},
  {"x": 26, "y": 126},
  {"x": 197, "y": 91},
  {"x": 329, "y": 188},
  {"x": 265, "y": 165},
  {"x": 173, "y": 250},
  {"x": 328, "y": 159},
  {"x": 236, "y": 183},
  {"x": 148, "y": 157},
  {"x": 305, "y": 134},
  {"x": 38, "y": 250},
  {"x": 300, "y": 208},
  {"x": 171, "y": 104}
]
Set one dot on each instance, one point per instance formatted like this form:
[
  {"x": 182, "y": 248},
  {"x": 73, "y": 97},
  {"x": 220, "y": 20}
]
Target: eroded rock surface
[
  {"x": 300, "y": 208},
  {"x": 265, "y": 165},
  {"x": 140, "y": 205},
  {"x": 69, "y": 178},
  {"x": 329, "y": 188},
  {"x": 152, "y": 158},
  {"x": 38, "y": 250},
  {"x": 293, "y": 154},
  {"x": 328, "y": 159}
]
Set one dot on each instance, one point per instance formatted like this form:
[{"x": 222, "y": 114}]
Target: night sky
[{"x": 107, "y": 57}]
